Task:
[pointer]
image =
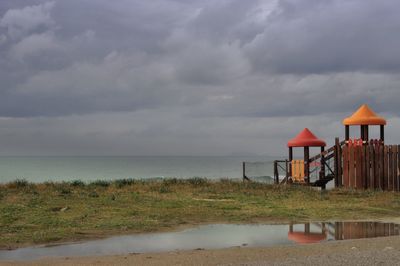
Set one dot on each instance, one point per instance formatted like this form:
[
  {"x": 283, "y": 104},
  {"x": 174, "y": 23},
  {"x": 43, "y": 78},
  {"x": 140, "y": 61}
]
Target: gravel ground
[{"x": 374, "y": 251}]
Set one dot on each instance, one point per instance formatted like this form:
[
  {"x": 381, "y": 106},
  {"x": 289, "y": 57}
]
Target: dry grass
[{"x": 54, "y": 212}]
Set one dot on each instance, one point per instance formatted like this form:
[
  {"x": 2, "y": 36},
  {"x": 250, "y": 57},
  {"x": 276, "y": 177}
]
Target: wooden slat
[
  {"x": 345, "y": 152},
  {"x": 340, "y": 163},
  {"x": 377, "y": 161},
  {"x": 357, "y": 160},
  {"x": 398, "y": 167},
  {"x": 351, "y": 167},
  {"x": 390, "y": 171},
  {"x": 395, "y": 177},
  {"x": 337, "y": 158},
  {"x": 367, "y": 166},
  {"x": 372, "y": 167},
  {"x": 363, "y": 167},
  {"x": 381, "y": 166},
  {"x": 385, "y": 167}
]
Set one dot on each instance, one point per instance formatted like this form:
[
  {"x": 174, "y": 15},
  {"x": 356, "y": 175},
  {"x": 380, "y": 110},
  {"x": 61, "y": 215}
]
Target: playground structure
[
  {"x": 306, "y": 233},
  {"x": 358, "y": 163}
]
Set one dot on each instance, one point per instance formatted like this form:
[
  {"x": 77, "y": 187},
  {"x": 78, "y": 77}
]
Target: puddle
[{"x": 211, "y": 237}]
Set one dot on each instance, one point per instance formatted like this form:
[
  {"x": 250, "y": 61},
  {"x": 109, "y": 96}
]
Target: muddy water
[{"x": 214, "y": 236}]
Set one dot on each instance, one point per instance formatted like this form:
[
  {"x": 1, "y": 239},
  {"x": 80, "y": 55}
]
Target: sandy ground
[{"x": 373, "y": 251}]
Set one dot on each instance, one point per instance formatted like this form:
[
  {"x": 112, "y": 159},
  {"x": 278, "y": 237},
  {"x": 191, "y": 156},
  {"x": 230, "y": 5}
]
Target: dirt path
[{"x": 377, "y": 251}]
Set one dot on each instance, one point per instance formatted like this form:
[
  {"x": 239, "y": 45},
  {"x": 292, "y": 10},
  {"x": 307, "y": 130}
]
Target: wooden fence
[
  {"x": 354, "y": 230},
  {"x": 371, "y": 166}
]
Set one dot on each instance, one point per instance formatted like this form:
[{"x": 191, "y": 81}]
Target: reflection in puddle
[{"x": 211, "y": 237}]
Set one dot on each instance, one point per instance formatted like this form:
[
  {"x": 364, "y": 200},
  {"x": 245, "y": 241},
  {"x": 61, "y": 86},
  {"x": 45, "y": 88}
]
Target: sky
[{"x": 185, "y": 77}]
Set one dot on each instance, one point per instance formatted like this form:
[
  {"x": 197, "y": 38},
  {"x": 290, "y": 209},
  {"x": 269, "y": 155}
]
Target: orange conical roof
[
  {"x": 364, "y": 116},
  {"x": 306, "y": 139}
]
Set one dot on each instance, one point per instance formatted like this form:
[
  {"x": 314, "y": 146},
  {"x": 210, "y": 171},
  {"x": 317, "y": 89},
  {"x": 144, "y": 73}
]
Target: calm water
[
  {"x": 211, "y": 237},
  {"x": 39, "y": 169}
]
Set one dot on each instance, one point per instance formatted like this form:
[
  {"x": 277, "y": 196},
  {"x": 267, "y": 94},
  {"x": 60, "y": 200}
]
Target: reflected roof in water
[{"x": 215, "y": 236}]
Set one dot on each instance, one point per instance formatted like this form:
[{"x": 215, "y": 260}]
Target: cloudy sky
[{"x": 185, "y": 77}]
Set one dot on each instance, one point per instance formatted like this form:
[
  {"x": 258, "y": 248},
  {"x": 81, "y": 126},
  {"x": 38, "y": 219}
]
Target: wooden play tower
[{"x": 356, "y": 163}]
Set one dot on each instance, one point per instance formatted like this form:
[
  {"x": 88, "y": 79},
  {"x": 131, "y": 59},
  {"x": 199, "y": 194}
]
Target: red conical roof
[
  {"x": 306, "y": 139},
  {"x": 306, "y": 238}
]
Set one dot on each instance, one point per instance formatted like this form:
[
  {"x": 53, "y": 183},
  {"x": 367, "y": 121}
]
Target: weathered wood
[
  {"x": 345, "y": 152},
  {"x": 335, "y": 162},
  {"x": 363, "y": 168},
  {"x": 358, "y": 159},
  {"x": 328, "y": 152},
  {"x": 381, "y": 166},
  {"x": 394, "y": 169},
  {"x": 340, "y": 162},
  {"x": 377, "y": 161},
  {"x": 307, "y": 164},
  {"x": 385, "y": 167},
  {"x": 322, "y": 171},
  {"x": 390, "y": 179},
  {"x": 362, "y": 132},
  {"x": 398, "y": 166},
  {"x": 290, "y": 159},
  {"x": 366, "y": 133},
  {"x": 276, "y": 175},
  {"x": 372, "y": 166},
  {"x": 367, "y": 166},
  {"x": 351, "y": 167}
]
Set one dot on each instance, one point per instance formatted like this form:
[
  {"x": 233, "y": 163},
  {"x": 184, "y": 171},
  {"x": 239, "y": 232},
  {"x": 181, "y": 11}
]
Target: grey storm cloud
[{"x": 190, "y": 71}]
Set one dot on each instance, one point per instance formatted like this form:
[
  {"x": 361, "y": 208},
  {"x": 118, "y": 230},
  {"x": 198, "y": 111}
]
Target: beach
[{"x": 376, "y": 251}]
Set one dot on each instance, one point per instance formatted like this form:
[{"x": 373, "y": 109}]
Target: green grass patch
[{"x": 53, "y": 212}]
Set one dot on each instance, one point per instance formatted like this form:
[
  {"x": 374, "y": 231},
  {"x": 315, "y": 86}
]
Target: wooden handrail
[{"x": 324, "y": 153}]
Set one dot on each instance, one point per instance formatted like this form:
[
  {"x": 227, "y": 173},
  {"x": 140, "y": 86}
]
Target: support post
[
  {"x": 362, "y": 132},
  {"x": 382, "y": 131},
  {"x": 347, "y": 132},
  {"x": 322, "y": 172},
  {"x": 306, "y": 163},
  {"x": 290, "y": 160},
  {"x": 287, "y": 171},
  {"x": 336, "y": 163},
  {"x": 307, "y": 228},
  {"x": 244, "y": 171},
  {"x": 365, "y": 134}
]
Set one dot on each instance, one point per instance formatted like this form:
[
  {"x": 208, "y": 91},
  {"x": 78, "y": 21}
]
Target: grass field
[{"x": 55, "y": 212}]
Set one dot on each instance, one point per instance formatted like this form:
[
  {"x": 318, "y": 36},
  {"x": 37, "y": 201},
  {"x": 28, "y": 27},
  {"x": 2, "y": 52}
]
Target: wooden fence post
[
  {"x": 377, "y": 179},
  {"x": 382, "y": 165},
  {"x": 338, "y": 178},
  {"x": 352, "y": 175},
  {"x": 358, "y": 167},
  {"x": 372, "y": 166},
  {"x": 345, "y": 152},
  {"x": 390, "y": 179},
  {"x": 395, "y": 175}
]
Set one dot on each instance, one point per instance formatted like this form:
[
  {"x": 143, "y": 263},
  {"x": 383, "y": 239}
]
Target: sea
[{"x": 89, "y": 168}]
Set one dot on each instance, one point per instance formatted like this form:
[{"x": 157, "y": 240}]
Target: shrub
[
  {"x": 18, "y": 183},
  {"x": 197, "y": 181},
  {"x": 100, "y": 183},
  {"x": 77, "y": 183},
  {"x": 119, "y": 183},
  {"x": 172, "y": 181}
]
